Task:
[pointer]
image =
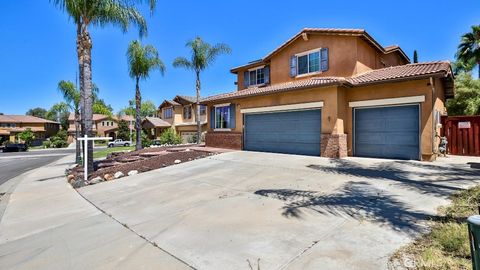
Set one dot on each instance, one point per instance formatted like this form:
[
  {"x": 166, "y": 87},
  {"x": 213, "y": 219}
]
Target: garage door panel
[
  {"x": 387, "y": 132},
  {"x": 294, "y": 132}
]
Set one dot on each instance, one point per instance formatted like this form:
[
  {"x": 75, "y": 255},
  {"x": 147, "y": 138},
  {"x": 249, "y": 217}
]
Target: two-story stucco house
[
  {"x": 333, "y": 93},
  {"x": 103, "y": 125},
  {"x": 11, "y": 125},
  {"x": 179, "y": 113}
]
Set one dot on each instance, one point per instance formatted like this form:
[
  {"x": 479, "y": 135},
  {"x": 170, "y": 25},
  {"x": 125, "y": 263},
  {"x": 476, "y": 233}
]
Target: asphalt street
[{"x": 14, "y": 164}]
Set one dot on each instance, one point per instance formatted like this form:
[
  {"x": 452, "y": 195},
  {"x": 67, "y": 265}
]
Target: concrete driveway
[{"x": 288, "y": 212}]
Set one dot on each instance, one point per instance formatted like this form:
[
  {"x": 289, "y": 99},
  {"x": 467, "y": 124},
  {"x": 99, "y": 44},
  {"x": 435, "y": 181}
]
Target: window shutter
[
  {"x": 232, "y": 116},
  {"x": 246, "y": 79},
  {"x": 212, "y": 117},
  {"x": 293, "y": 66},
  {"x": 324, "y": 59},
  {"x": 266, "y": 71}
]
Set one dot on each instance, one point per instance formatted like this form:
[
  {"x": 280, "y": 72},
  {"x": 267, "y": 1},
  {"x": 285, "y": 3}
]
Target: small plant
[
  {"x": 27, "y": 136},
  {"x": 169, "y": 137},
  {"x": 47, "y": 144}
]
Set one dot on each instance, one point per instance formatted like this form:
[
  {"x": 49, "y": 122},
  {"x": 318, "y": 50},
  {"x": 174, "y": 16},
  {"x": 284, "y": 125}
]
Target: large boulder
[
  {"x": 96, "y": 180},
  {"x": 108, "y": 177}
]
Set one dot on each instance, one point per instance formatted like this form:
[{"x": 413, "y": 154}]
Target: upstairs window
[
  {"x": 187, "y": 112},
  {"x": 309, "y": 62},
  {"x": 168, "y": 113},
  {"x": 256, "y": 76}
]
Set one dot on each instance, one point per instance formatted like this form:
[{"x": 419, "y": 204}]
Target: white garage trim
[
  {"x": 290, "y": 107},
  {"x": 387, "y": 101}
]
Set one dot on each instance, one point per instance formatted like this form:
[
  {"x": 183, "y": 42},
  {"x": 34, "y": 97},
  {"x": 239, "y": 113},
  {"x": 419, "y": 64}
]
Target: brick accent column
[
  {"x": 333, "y": 145},
  {"x": 230, "y": 140}
]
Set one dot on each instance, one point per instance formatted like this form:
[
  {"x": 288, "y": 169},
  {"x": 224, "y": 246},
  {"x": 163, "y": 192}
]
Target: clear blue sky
[{"x": 37, "y": 45}]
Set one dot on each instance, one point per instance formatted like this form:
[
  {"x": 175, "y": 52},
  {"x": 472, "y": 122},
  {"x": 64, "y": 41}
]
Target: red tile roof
[
  {"x": 390, "y": 74},
  {"x": 23, "y": 119}
]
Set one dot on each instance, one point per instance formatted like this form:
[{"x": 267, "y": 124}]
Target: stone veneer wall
[
  {"x": 230, "y": 140},
  {"x": 333, "y": 145}
]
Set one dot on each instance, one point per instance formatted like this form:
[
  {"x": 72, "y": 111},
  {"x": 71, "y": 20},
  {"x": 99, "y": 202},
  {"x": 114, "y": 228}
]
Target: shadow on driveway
[{"x": 363, "y": 200}]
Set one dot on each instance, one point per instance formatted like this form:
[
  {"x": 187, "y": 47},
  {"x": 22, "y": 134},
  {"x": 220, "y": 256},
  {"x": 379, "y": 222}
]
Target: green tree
[
  {"x": 27, "y": 136},
  {"x": 59, "y": 112},
  {"x": 202, "y": 56},
  {"x": 147, "y": 108},
  {"x": 87, "y": 13},
  {"x": 415, "y": 56},
  {"x": 37, "y": 112},
  {"x": 467, "y": 96},
  {"x": 169, "y": 136},
  {"x": 468, "y": 52},
  {"x": 141, "y": 61},
  {"x": 123, "y": 130}
]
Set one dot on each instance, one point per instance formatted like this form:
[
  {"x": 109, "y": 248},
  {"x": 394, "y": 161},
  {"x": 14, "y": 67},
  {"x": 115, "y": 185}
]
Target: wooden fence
[{"x": 463, "y": 134}]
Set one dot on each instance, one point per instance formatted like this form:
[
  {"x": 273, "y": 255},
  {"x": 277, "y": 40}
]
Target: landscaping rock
[
  {"x": 118, "y": 175},
  {"x": 132, "y": 172},
  {"x": 70, "y": 178},
  {"x": 108, "y": 177},
  {"x": 177, "y": 161},
  {"x": 96, "y": 180}
]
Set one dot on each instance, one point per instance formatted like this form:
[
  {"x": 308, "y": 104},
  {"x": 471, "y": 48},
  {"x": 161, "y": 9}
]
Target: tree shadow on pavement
[
  {"x": 359, "y": 200},
  {"x": 423, "y": 178}
]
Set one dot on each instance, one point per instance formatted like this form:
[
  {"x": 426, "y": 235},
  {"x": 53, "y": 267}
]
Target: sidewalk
[{"x": 47, "y": 225}]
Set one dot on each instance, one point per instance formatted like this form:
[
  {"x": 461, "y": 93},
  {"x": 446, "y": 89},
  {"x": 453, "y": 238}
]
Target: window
[
  {"x": 308, "y": 63},
  {"x": 167, "y": 113},
  {"x": 203, "y": 109},
  {"x": 103, "y": 123},
  {"x": 257, "y": 76},
  {"x": 222, "y": 117},
  {"x": 187, "y": 112}
]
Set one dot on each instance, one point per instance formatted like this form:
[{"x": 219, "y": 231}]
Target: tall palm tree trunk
[
  {"x": 197, "y": 111},
  {"x": 78, "y": 149},
  {"x": 86, "y": 82},
  {"x": 82, "y": 92},
  {"x": 138, "y": 128}
]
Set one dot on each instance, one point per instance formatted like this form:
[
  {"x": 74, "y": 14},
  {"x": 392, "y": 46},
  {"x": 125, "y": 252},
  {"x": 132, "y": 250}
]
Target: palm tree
[
  {"x": 71, "y": 95},
  {"x": 468, "y": 53},
  {"x": 203, "y": 55},
  {"x": 86, "y": 13},
  {"x": 141, "y": 61}
]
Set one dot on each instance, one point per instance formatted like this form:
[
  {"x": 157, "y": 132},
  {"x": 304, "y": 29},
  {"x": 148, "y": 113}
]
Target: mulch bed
[{"x": 150, "y": 163}]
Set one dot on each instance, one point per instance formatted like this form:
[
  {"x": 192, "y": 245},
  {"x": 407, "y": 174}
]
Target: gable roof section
[
  {"x": 12, "y": 118},
  {"x": 376, "y": 76},
  {"x": 168, "y": 103},
  {"x": 96, "y": 117},
  {"x": 328, "y": 31},
  {"x": 156, "y": 122}
]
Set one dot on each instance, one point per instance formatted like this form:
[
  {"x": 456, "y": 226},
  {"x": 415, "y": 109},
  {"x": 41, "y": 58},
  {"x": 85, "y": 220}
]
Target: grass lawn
[
  {"x": 104, "y": 152},
  {"x": 447, "y": 245}
]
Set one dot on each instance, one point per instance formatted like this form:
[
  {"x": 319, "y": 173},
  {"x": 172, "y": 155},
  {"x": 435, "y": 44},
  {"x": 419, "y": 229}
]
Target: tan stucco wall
[
  {"x": 348, "y": 55},
  {"x": 336, "y": 113}
]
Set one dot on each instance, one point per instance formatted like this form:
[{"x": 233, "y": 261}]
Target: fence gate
[{"x": 463, "y": 134}]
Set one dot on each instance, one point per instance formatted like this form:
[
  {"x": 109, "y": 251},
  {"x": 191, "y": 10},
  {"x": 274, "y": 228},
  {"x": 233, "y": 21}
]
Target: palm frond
[{"x": 182, "y": 62}]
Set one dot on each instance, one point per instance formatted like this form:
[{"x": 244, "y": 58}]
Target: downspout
[{"x": 434, "y": 128}]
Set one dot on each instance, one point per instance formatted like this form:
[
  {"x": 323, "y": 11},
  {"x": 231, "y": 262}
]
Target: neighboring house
[
  {"x": 11, "y": 125},
  {"x": 103, "y": 125},
  {"x": 180, "y": 114},
  {"x": 333, "y": 93}
]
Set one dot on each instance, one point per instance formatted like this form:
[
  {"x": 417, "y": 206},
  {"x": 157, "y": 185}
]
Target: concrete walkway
[
  {"x": 48, "y": 225},
  {"x": 291, "y": 212}
]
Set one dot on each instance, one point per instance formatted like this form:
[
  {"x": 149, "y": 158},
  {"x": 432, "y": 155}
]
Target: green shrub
[
  {"x": 169, "y": 137},
  {"x": 27, "y": 136},
  {"x": 59, "y": 140},
  {"x": 47, "y": 144},
  {"x": 146, "y": 142}
]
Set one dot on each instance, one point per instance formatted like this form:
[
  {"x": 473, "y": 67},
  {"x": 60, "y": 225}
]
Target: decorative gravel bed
[
  {"x": 151, "y": 163},
  {"x": 120, "y": 164}
]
